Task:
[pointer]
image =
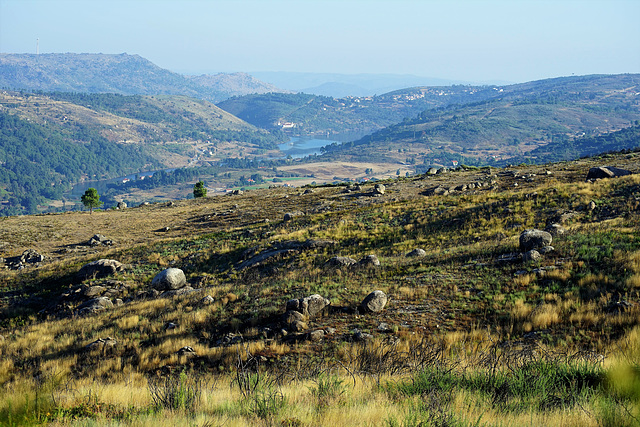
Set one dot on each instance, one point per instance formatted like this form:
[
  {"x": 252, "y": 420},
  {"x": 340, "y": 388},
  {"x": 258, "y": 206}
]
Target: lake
[{"x": 298, "y": 147}]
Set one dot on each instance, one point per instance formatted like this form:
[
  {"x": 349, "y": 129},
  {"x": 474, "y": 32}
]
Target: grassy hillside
[
  {"x": 99, "y": 136},
  {"x": 471, "y": 334},
  {"x": 123, "y": 74},
  {"x": 516, "y": 121}
]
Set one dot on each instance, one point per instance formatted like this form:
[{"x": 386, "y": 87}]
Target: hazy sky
[{"x": 477, "y": 41}]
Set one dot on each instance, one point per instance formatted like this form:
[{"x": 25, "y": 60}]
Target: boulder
[
  {"x": 555, "y": 229},
  {"x": 374, "y": 302},
  {"x": 534, "y": 239},
  {"x": 295, "y": 321},
  {"x": 95, "y": 305},
  {"x": 169, "y": 279},
  {"x": 531, "y": 256},
  {"x": 369, "y": 261},
  {"x": 101, "y": 343},
  {"x": 316, "y": 335},
  {"x": 177, "y": 292},
  {"x": 207, "y": 300},
  {"x": 99, "y": 239},
  {"x": 417, "y": 253},
  {"x": 309, "y": 306},
  {"x": 93, "y": 291},
  {"x": 100, "y": 268},
  {"x": 606, "y": 172},
  {"x": 379, "y": 189},
  {"x": 341, "y": 261},
  {"x": 122, "y": 205}
]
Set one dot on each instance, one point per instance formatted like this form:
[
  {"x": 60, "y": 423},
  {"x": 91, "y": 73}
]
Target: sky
[{"x": 467, "y": 40}]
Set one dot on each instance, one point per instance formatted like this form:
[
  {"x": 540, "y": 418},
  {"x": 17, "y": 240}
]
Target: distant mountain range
[
  {"x": 123, "y": 74},
  {"x": 341, "y": 85}
]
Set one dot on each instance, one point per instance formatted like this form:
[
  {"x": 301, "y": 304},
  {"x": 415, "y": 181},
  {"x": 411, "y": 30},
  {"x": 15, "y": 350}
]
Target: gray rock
[
  {"x": 555, "y": 229},
  {"x": 417, "y": 253},
  {"x": 606, "y": 172},
  {"x": 369, "y": 261},
  {"x": 546, "y": 249},
  {"x": 101, "y": 343},
  {"x": 374, "y": 302},
  {"x": 95, "y": 305},
  {"x": 290, "y": 215},
  {"x": 169, "y": 279},
  {"x": 341, "y": 261},
  {"x": 93, "y": 291},
  {"x": 591, "y": 206},
  {"x": 100, "y": 268},
  {"x": 379, "y": 189},
  {"x": 531, "y": 256},
  {"x": 362, "y": 336},
  {"x": 207, "y": 300},
  {"x": 186, "y": 350},
  {"x": 98, "y": 240},
  {"x": 309, "y": 306},
  {"x": 122, "y": 205},
  {"x": 534, "y": 239}
]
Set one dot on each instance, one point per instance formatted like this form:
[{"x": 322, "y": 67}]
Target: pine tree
[
  {"x": 91, "y": 199},
  {"x": 199, "y": 190}
]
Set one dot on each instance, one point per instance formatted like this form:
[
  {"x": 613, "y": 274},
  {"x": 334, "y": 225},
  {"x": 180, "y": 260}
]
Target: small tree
[
  {"x": 91, "y": 199},
  {"x": 199, "y": 190}
]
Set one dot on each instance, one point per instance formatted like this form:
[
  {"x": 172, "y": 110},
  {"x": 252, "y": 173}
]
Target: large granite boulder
[
  {"x": 606, "y": 172},
  {"x": 169, "y": 279},
  {"x": 309, "y": 306},
  {"x": 374, "y": 302}
]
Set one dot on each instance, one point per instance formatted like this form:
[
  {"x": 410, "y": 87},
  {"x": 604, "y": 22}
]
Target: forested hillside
[
  {"x": 514, "y": 126},
  {"x": 51, "y": 141},
  {"x": 38, "y": 164}
]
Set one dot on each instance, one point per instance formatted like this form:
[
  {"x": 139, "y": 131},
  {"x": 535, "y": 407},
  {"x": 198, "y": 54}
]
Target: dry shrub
[
  {"x": 521, "y": 310},
  {"x": 545, "y": 316},
  {"x": 524, "y": 279}
]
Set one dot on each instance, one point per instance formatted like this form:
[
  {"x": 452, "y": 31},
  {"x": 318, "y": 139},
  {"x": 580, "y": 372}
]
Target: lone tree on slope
[
  {"x": 199, "y": 190},
  {"x": 91, "y": 199}
]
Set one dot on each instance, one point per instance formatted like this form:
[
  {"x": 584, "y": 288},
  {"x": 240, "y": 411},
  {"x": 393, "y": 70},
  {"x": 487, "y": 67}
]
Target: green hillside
[
  {"x": 519, "y": 120},
  {"x": 51, "y": 141}
]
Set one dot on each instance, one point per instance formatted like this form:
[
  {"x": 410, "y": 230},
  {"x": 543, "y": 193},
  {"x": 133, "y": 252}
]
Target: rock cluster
[{"x": 28, "y": 257}]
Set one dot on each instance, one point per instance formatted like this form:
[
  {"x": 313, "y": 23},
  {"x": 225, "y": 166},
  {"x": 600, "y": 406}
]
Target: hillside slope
[
  {"x": 516, "y": 336},
  {"x": 509, "y": 126},
  {"x": 123, "y": 74}
]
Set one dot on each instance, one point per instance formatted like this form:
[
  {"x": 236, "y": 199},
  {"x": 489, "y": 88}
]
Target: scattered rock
[
  {"x": 29, "y": 256},
  {"x": 177, "y": 292},
  {"x": 94, "y": 305},
  {"x": 122, "y": 205},
  {"x": 207, "y": 300},
  {"x": 341, "y": 261},
  {"x": 93, "y": 291},
  {"x": 369, "y": 260},
  {"x": 418, "y": 253},
  {"x": 591, "y": 206},
  {"x": 384, "y": 327},
  {"x": 99, "y": 240},
  {"x": 316, "y": 335},
  {"x": 374, "y": 302},
  {"x": 534, "y": 239},
  {"x": 360, "y": 336},
  {"x": 309, "y": 306},
  {"x": 230, "y": 339},
  {"x": 509, "y": 258},
  {"x": 100, "y": 268},
  {"x": 437, "y": 191},
  {"x": 379, "y": 189},
  {"x": 169, "y": 279},
  {"x": 606, "y": 172},
  {"x": 555, "y": 229},
  {"x": 171, "y": 325},
  {"x": 101, "y": 343},
  {"x": 546, "y": 249},
  {"x": 531, "y": 256},
  {"x": 290, "y": 215},
  {"x": 186, "y": 350}
]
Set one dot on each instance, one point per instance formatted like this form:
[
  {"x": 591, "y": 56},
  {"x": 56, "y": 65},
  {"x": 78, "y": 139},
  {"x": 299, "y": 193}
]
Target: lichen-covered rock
[
  {"x": 95, "y": 305},
  {"x": 100, "y": 268},
  {"x": 169, "y": 279},
  {"x": 417, "y": 253},
  {"x": 309, "y": 306},
  {"x": 374, "y": 302},
  {"x": 534, "y": 239},
  {"x": 369, "y": 261},
  {"x": 531, "y": 256}
]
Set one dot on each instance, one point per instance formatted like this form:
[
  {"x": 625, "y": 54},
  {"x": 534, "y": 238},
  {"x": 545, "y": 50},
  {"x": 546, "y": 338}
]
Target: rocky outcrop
[
  {"x": 369, "y": 261},
  {"x": 417, "y": 253},
  {"x": 341, "y": 261},
  {"x": 28, "y": 257},
  {"x": 169, "y": 279},
  {"x": 94, "y": 305},
  {"x": 601, "y": 172},
  {"x": 100, "y": 268},
  {"x": 99, "y": 240}
]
